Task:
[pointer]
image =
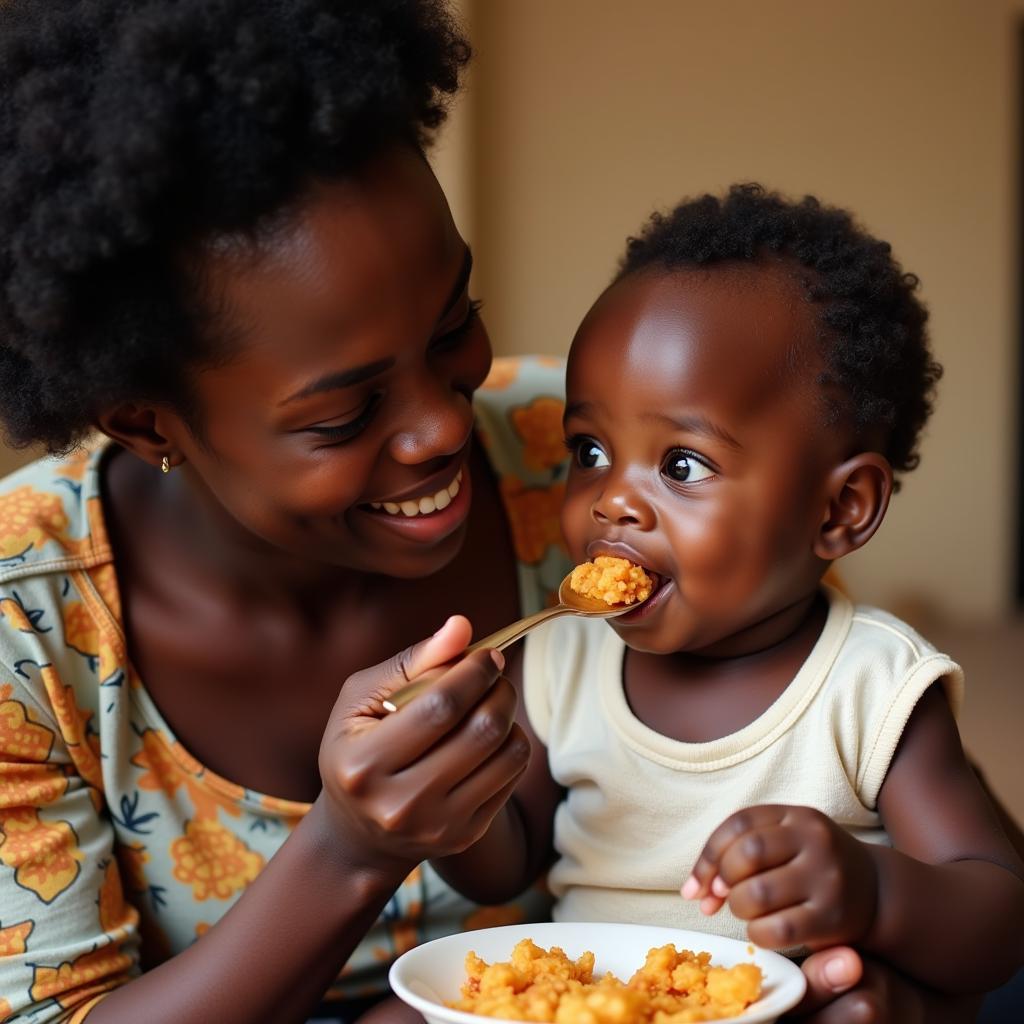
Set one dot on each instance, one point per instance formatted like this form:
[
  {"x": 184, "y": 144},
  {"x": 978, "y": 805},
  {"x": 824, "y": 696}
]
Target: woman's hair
[
  {"x": 873, "y": 326},
  {"x": 131, "y": 129}
]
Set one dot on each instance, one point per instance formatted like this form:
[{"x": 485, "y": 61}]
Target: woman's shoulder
[{"x": 51, "y": 517}]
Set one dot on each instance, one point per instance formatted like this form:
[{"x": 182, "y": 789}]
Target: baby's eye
[
  {"x": 685, "y": 467},
  {"x": 590, "y": 455}
]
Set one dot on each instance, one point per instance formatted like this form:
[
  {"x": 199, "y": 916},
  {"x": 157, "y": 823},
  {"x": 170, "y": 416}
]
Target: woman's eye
[
  {"x": 590, "y": 455},
  {"x": 338, "y": 433},
  {"x": 685, "y": 467}
]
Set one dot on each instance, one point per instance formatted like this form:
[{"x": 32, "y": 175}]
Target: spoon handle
[{"x": 498, "y": 641}]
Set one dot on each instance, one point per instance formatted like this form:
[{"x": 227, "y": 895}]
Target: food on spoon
[
  {"x": 672, "y": 987},
  {"x": 612, "y": 580}
]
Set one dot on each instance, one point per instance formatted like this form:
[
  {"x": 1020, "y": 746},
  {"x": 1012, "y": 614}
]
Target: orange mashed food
[
  {"x": 612, "y": 580},
  {"x": 672, "y": 987}
]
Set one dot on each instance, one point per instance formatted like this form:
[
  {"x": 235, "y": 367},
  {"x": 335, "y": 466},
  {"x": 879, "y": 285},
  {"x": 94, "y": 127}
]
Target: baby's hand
[{"x": 796, "y": 876}]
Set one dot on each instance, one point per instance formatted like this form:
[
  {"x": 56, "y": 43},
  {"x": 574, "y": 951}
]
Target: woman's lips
[
  {"x": 422, "y": 506},
  {"x": 428, "y": 518}
]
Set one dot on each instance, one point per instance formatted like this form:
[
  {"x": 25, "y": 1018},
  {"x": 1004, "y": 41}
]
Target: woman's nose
[
  {"x": 436, "y": 422},
  {"x": 622, "y": 505}
]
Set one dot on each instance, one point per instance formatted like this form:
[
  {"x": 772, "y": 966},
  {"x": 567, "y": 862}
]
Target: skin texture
[{"x": 700, "y": 452}]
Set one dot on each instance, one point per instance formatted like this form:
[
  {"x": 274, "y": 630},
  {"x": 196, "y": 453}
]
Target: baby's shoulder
[{"x": 882, "y": 657}]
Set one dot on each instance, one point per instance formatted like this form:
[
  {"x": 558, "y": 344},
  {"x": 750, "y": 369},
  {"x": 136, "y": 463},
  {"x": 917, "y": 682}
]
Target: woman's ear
[
  {"x": 858, "y": 495},
  {"x": 148, "y": 431}
]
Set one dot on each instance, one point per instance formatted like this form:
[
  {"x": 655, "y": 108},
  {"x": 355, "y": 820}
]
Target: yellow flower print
[
  {"x": 5, "y": 691},
  {"x": 80, "y": 630},
  {"x": 15, "y": 615},
  {"x": 32, "y": 518},
  {"x": 166, "y": 766},
  {"x": 5, "y": 1010},
  {"x": 104, "y": 579},
  {"x": 116, "y": 916},
  {"x": 31, "y": 785},
  {"x": 503, "y": 374},
  {"x": 492, "y": 917},
  {"x": 73, "y": 982},
  {"x": 21, "y": 737},
  {"x": 73, "y": 721},
  {"x": 533, "y": 516},
  {"x": 74, "y": 466},
  {"x": 214, "y": 861},
  {"x": 82, "y": 634},
  {"x": 539, "y": 424},
  {"x": 44, "y": 855},
  {"x": 14, "y": 938}
]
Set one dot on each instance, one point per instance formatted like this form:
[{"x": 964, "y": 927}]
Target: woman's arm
[
  {"x": 396, "y": 790},
  {"x": 519, "y": 844}
]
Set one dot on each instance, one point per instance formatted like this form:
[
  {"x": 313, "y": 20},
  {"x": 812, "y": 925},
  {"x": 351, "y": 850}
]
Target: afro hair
[{"x": 132, "y": 128}]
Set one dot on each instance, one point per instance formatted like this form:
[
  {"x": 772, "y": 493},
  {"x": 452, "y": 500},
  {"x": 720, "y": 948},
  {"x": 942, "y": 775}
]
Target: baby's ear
[{"x": 858, "y": 495}]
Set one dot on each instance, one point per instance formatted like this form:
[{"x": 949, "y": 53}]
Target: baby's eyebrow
[{"x": 695, "y": 424}]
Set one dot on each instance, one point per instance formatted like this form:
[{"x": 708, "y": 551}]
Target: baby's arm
[
  {"x": 946, "y": 904},
  {"x": 518, "y": 845}
]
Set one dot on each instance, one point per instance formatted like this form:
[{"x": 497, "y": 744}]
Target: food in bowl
[
  {"x": 612, "y": 580},
  {"x": 544, "y": 985}
]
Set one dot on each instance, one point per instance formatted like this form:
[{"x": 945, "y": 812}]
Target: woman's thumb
[{"x": 447, "y": 643}]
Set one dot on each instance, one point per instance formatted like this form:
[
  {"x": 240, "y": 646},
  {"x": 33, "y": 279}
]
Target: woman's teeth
[{"x": 422, "y": 506}]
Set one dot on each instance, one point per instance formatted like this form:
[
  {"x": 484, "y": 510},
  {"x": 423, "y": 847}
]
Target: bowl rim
[{"x": 789, "y": 991}]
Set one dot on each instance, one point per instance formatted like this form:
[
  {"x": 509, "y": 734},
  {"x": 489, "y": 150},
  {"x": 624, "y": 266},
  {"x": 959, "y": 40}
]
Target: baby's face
[{"x": 701, "y": 450}]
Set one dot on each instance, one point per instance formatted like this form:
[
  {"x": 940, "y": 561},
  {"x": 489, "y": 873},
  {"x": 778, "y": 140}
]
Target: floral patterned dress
[{"x": 117, "y": 847}]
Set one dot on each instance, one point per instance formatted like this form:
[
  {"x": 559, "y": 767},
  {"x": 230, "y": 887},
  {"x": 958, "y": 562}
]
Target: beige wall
[
  {"x": 581, "y": 115},
  {"x": 587, "y": 113}
]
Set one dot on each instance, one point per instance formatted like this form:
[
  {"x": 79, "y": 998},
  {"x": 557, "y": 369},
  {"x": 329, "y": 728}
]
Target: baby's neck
[{"x": 701, "y": 697}]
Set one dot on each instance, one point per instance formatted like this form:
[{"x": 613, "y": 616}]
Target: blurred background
[{"x": 581, "y": 116}]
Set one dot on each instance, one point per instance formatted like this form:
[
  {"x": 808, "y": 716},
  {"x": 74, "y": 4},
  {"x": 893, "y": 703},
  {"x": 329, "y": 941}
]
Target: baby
[{"x": 739, "y": 401}]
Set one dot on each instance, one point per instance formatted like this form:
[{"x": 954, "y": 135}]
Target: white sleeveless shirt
[{"x": 640, "y": 806}]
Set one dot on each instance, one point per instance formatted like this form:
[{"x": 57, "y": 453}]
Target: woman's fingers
[
  {"x": 829, "y": 974},
  {"x": 364, "y": 692},
  {"x": 398, "y": 742}
]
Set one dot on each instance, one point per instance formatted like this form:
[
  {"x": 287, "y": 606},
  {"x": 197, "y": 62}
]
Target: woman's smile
[{"x": 430, "y": 513}]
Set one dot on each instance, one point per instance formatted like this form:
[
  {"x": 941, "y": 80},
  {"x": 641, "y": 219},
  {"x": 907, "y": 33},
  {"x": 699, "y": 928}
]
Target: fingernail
[
  {"x": 719, "y": 888},
  {"x": 498, "y": 658},
  {"x": 708, "y": 906},
  {"x": 690, "y": 888},
  {"x": 839, "y": 973}
]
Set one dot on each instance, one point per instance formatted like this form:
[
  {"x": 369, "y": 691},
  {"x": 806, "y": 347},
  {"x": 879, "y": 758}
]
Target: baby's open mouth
[{"x": 422, "y": 506}]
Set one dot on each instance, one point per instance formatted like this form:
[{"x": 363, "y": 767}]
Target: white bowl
[{"x": 430, "y": 974}]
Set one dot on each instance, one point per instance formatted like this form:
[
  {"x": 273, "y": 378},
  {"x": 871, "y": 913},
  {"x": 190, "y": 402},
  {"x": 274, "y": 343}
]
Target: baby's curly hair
[
  {"x": 873, "y": 324},
  {"x": 132, "y": 128}
]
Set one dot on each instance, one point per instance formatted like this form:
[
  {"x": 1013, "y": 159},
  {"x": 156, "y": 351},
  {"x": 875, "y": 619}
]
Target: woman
[{"x": 224, "y": 253}]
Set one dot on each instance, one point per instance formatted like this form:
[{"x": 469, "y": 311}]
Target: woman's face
[{"x": 339, "y": 428}]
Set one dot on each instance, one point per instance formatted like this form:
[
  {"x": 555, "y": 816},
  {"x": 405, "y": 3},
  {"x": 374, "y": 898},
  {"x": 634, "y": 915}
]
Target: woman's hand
[
  {"x": 844, "y": 989},
  {"x": 796, "y": 876},
  {"x": 425, "y": 782}
]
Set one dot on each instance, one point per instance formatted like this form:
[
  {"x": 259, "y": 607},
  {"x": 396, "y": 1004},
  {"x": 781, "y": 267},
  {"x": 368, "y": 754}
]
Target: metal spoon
[{"x": 569, "y": 603}]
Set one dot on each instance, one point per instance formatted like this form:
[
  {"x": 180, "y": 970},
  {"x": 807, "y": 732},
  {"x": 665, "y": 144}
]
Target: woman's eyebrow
[{"x": 341, "y": 379}]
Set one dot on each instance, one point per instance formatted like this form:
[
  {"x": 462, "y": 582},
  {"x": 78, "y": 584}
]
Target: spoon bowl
[{"x": 569, "y": 603}]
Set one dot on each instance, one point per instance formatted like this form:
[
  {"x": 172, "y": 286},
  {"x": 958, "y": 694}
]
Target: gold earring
[{"x": 165, "y": 465}]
